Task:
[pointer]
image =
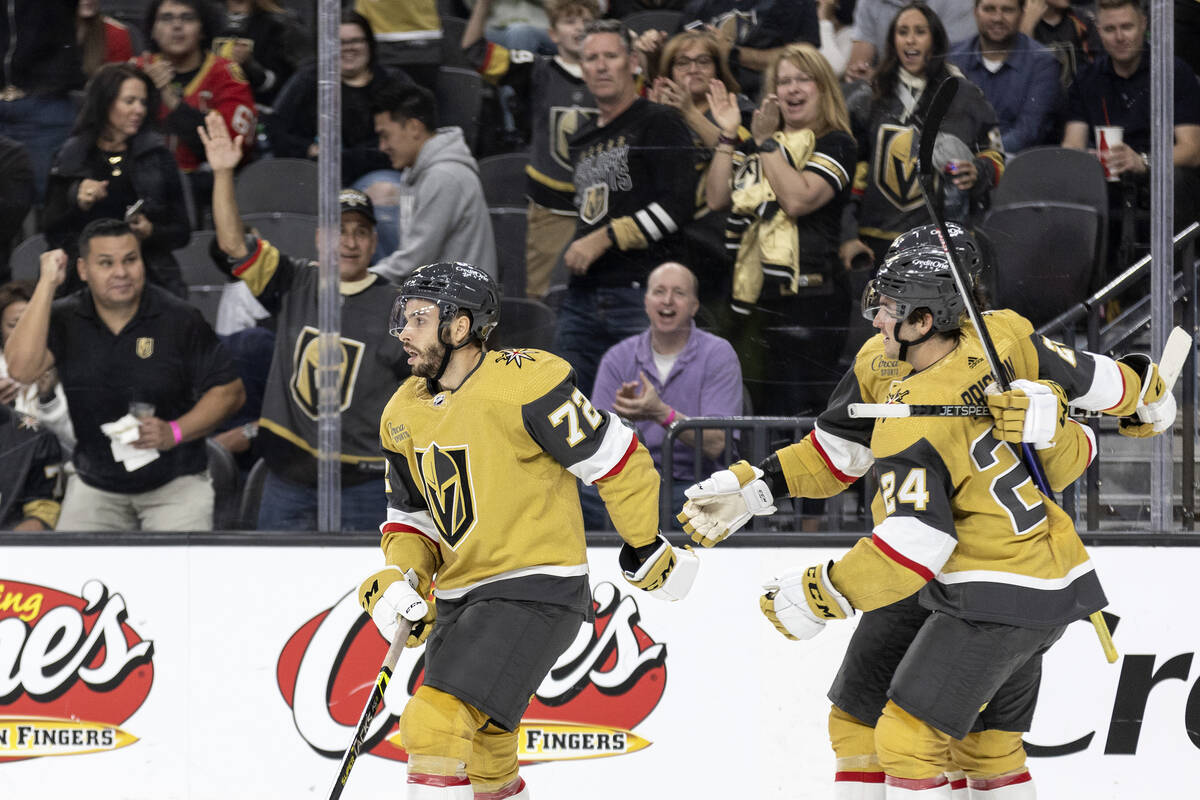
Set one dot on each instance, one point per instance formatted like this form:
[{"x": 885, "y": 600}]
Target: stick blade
[
  {"x": 1174, "y": 354},
  {"x": 942, "y": 99}
]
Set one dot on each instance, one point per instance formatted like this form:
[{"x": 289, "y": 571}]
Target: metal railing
[
  {"x": 1105, "y": 338},
  {"x": 751, "y": 438}
]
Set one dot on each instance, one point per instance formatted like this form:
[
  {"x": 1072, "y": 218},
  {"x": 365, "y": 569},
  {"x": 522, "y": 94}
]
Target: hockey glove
[
  {"x": 1029, "y": 411},
  {"x": 658, "y": 568},
  {"x": 799, "y": 603},
  {"x": 724, "y": 502},
  {"x": 1156, "y": 407},
  {"x": 390, "y": 594}
]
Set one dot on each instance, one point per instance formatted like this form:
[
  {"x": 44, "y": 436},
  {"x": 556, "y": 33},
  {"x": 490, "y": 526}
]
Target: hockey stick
[
  {"x": 374, "y": 703},
  {"x": 1170, "y": 364},
  {"x": 933, "y": 121}
]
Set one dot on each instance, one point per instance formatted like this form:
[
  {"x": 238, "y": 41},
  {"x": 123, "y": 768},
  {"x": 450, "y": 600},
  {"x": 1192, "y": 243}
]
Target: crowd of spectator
[{"x": 764, "y": 149}]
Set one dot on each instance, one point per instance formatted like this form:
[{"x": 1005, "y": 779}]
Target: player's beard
[{"x": 429, "y": 360}]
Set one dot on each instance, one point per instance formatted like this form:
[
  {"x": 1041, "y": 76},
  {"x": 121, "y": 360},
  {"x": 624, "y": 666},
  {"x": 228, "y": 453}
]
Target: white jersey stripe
[
  {"x": 849, "y": 458},
  {"x": 421, "y": 520},
  {"x": 614, "y": 446},
  {"x": 1107, "y": 389},
  {"x": 643, "y": 218},
  {"x": 663, "y": 217},
  {"x": 916, "y": 541},
  {"x": 1013, "y": 579}
]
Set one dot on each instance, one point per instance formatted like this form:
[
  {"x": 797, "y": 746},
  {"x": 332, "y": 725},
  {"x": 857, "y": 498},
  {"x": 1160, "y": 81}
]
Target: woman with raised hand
[{"x": 786, "y": 198}]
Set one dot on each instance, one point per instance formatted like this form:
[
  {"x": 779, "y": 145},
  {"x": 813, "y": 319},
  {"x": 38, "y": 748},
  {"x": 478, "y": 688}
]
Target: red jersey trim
[
  {"x": 899, "y": 558},
  {"x": 400, "y": 527},
  {"x": 837, "y": 473},
  {"x": 620, "y": 465},
  {"x": 250, "y": 259}
]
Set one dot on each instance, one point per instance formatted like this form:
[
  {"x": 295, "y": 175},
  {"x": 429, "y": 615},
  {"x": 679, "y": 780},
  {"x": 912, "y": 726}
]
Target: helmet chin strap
[
  {"x": 905, "y": 345},
  {"x": 441, "y": 370}
]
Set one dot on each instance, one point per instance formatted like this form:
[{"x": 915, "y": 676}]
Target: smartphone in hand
[{"x": 134, "y": 210}]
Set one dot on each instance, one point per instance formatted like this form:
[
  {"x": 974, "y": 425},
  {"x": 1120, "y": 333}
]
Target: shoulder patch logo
[
  {"x": 398, "y": 433},
  {"x": 514, "y": 357},
  {"x": 974, "y": 361}
]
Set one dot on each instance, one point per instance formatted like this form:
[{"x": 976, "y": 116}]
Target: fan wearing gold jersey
[
  {"x": 483, "y": 451},
  {"x": 970, "y": 573}
]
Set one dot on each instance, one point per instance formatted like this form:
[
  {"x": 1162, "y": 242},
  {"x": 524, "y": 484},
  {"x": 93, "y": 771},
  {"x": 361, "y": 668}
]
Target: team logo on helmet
[
  {"x": 445, "y": 474},
  {"x": 896, "y": 167}
]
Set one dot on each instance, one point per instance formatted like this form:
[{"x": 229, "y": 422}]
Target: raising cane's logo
[
  {"x": 609, "y": 680},
  {"x": 71, "y": 671}
]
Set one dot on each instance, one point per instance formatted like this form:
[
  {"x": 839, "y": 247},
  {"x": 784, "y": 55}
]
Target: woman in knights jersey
[
  {"x": 790, "y": 301},
  {"x": 969, "y": 155}
]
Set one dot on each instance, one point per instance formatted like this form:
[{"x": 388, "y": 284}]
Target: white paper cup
[{"x": 1107, "y": 137}]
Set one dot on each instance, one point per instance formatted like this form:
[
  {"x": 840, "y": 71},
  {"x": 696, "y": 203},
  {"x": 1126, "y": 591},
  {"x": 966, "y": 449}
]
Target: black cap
[{"x": 354, "y": 200}]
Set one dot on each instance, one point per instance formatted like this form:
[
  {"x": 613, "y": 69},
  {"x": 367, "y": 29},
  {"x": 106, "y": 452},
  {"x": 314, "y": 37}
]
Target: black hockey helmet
[
  {"x": 916, "y": 273},
  {"x": 454, "y": 286}
]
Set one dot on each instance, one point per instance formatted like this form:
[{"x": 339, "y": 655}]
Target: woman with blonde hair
[{"x": 790, "y": 296}]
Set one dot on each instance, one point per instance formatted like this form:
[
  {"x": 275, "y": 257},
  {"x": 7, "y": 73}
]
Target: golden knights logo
[
  {"x": 595, "y": 203},
  {"x": 144, "y": 347},
  {"x": 303, "y": 384},
  {"x": 896, "y": 167},
  {"x": 445, "y": 475},
  {"x": 565, "y": 121}
]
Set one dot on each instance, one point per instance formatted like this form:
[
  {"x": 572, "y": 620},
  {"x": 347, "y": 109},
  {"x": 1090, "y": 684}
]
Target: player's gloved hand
[
  {"x": 391, "y": 593},
  {"x": 799, "y": 603},
  {"x": 1156, "y": 407},
  {"x": 1030, "y": 411},
  {"x": 724, "y": 502},
  {"x": 659, "y": 569}
]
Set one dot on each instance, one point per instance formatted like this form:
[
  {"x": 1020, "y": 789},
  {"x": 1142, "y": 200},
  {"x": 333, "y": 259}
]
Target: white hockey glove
[
  {"x": 724, "y": 502},
  {"x": 1030, "y": 411},
  {"x": 658, "y": 568},
  {"x": 799, "y": 603},
  {"x": 1156, "y": 407},
  {"x": 390, "y": 594}
]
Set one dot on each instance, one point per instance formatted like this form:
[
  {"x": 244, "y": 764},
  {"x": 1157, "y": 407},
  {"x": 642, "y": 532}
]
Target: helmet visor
[
  {"x": 873, "y": 301},
  {"x": 404, "y": 310}
]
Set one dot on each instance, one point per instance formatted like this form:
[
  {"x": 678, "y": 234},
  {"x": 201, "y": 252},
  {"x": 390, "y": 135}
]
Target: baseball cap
[{"x": 354, "y": 200}]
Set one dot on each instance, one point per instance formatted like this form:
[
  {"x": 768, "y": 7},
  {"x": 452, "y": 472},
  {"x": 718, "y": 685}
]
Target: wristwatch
[
  {"x": 769, "y": 146},
  {"x": 250, "y": 430}
]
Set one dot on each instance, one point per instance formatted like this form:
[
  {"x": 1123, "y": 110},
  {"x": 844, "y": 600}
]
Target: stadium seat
[
  {"x": 654, "y": 19},
  {"x": 508, "y": 228},
  {"x": 293, "y": 233},
  {"x": 459, "y": 94},
  {"x": 524, "y": 323},
  {"x": 195, "y": 260},
  {"x": 25, "y": 261},
  {"x": 1057, "y": 175},
  {"x": 1045, "y": 256},
  {"x": 452, "y": 52},
  {"x": 223, "y": 471},
  {"x": 252, "y": 496},
  {"x": 278, "y": 184},
  {"x": 503, "y": 179}
]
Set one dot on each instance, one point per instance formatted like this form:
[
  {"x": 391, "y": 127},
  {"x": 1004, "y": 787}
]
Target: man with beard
[
  {"x": 483, "y": 451},
  {"x": 287, "y": 436},
  {"x": 1017, "y": 76}
]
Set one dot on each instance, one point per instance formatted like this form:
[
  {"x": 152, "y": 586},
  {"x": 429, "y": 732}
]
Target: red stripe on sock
[
  {"x": 426, "y": 779},
  {"x": 858, "y": 777},
  {"x": 999, "y": 783},
  {"x": 916, "y": 784},
  {"x": 514, "y": 788}
]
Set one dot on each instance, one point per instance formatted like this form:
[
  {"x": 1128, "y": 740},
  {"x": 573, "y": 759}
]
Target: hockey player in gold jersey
[
  {"x": 970, "y": 573},
  {"x": 483, "y": 451}
]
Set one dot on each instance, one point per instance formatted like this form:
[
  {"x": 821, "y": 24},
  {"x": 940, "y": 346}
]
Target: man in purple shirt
[{"x": 668, "y": 373}]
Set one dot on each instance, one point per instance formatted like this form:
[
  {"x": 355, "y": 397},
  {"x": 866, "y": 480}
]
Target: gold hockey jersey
[
  {"x": 957, "y": 512},
  {"x": 482, "y": 480}
]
